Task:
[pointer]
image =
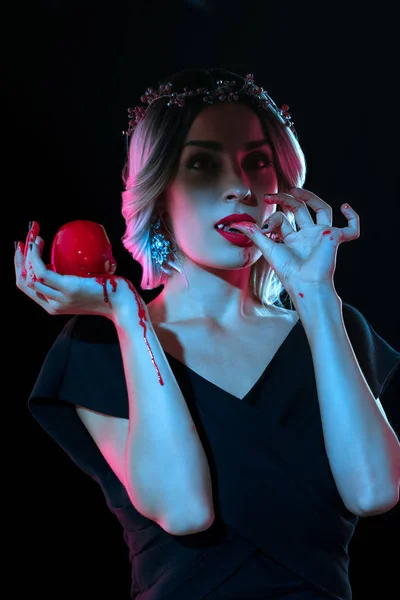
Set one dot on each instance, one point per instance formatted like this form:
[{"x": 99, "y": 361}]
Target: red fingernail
[{"x": 35, "y": 229}]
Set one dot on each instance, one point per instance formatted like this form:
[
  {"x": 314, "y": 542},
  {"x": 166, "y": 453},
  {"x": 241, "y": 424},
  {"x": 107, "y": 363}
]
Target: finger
[
  {"x": 38, "y": 297},
  {"x": 32, "y": 233},
  {"x": 44, "y": 291},
  {"x": 322, "y": 209},
  {"x": 18, "y": 262},
  {"x": 40, "y": 242},
  {"x": 43, "y": 275},
  {"x": 20, "y": 256},
  {"x": 352, "y": 231},
  {"x": 278, "y": 222},
  {"x": 298, "y": 207},
  {"x": 262, "y": 240},
  {"x": 25, "y": 282}
]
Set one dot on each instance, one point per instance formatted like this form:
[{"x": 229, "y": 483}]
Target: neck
[{"x": 220, "y": 297}]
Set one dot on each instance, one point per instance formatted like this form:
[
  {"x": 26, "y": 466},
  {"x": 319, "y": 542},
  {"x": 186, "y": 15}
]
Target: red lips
[{"x": 235, "y": 218}]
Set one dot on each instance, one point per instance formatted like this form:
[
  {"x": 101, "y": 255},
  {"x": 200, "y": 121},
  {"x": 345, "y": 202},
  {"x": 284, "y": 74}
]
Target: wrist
[
  {"x": 128, "y": 311},
  {"x": 312, "y": 302}
]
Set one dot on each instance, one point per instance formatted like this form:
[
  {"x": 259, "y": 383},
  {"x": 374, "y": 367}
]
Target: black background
[{"x": 71, "y": 69}]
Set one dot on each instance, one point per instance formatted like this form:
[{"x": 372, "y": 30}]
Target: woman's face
[{"x": 212, "y": 180}]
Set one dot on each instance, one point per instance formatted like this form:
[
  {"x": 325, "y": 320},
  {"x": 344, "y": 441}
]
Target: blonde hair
[{"x": 152, "y": 162}]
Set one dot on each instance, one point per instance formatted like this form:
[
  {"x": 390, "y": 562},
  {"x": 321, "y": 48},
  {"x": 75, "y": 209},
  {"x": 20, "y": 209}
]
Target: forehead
[{"x": 227, "y": 122}]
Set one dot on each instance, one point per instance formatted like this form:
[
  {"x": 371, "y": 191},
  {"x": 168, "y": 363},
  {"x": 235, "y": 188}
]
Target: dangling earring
[{"x": 160, "y": 247}]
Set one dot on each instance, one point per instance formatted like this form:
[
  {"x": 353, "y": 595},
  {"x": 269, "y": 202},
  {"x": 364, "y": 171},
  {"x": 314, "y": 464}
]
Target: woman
[{"x": 237, "y": 437}]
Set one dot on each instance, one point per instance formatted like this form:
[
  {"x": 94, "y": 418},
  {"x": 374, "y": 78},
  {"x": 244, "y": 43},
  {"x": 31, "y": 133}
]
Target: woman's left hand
[{"x": 306, "y": 257}]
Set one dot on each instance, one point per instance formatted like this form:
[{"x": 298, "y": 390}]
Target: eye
[
  {"x": 259, "y": 161},
  {"x": 205, "y": 160}
]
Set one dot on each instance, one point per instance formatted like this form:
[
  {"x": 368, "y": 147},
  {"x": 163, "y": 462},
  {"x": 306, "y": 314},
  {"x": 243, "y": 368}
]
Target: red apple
[{"x": 82, "y": 248}]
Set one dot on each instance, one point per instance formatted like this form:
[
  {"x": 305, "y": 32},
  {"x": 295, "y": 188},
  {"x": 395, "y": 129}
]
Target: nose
[
  {"x": 239, "y": 192},
  {"x": 237, "y": 187}
]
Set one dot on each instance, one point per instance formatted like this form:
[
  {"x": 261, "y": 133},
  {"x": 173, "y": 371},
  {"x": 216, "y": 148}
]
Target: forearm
[
  {"x": 362, "y": 449},
  {"x": 167, "y": 470}
]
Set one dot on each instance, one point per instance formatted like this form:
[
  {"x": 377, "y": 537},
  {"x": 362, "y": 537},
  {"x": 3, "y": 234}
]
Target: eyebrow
[{"x": 219, "y": 147}]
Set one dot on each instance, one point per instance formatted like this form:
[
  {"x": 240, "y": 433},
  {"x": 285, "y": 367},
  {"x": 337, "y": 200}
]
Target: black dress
[{"x": 281, "y": 529}]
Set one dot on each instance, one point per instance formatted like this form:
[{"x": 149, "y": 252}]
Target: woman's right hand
[{"x": 70, "y": 294}]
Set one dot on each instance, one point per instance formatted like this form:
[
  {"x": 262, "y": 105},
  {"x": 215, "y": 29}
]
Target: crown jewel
[{"x": 224, "y": 91}]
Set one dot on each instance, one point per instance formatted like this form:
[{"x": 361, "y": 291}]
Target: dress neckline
[{"x": 255, "y": 386}]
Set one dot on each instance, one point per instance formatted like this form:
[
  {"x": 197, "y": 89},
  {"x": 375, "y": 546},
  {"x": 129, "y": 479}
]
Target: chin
[{"x": 246, "y": 258}]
